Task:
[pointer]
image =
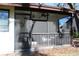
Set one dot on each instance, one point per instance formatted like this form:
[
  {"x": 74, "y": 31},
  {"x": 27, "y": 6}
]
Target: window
[
  {"x": 4, "y": 18},
  {"x": 39, "y": 16}
]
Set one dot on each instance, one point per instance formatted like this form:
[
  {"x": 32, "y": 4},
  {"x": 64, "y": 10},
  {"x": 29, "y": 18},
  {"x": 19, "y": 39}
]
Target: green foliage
[{"x": 76, "y": 34}]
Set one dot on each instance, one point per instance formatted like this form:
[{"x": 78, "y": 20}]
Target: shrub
[{"x": 76, "y": 34}]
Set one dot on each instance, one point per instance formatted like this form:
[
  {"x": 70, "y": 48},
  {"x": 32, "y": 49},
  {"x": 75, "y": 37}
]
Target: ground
[{"x": 65, "y": 51}]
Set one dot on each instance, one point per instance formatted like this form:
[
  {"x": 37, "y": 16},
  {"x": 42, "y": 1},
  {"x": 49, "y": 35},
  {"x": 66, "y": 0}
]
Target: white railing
[{"x": 47, "y": 39}]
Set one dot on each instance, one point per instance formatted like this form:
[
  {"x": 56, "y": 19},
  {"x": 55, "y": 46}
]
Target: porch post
[{"x": 71, "y": 29}]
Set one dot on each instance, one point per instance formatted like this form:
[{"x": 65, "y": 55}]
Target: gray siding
[
  {"x": 43, "y": 32},
  {"x": 42, "y": 27}
]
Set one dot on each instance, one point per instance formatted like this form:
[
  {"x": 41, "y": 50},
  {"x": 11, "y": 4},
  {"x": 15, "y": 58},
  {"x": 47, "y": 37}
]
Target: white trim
[{"x": 47, "y": 33}]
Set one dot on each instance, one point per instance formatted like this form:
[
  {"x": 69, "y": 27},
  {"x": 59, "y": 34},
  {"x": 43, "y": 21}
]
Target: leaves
[{"x": 76, "y": 34}]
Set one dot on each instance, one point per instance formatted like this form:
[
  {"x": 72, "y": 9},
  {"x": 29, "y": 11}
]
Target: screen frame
[{"x": 31, "y": 13}]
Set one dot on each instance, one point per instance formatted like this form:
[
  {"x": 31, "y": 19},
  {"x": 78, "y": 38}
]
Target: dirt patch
[{"x": 67, "y": 51}]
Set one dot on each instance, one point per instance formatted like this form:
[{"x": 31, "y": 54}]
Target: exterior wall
[
  {"x": 7, "y": 38},
  {"x": 43, "y": 32},
  {"x": 39, "y": 28},
  {"x": 46, "y": 34},
  {"x": 42, "y": 27},
  {"x": 66, "y": 28},
  {"x": 18, "y": 28}
]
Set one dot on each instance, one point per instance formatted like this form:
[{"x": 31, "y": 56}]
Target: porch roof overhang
[
  {"x": 11, "y": 4},
  {"x": 59, "y": 12},
  {"x": 51, "y": 8},
  {"x": 37, "y": 6}
]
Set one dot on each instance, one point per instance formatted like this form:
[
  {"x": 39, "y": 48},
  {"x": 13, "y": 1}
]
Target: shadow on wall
[{"x": 26, "y": 46}]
